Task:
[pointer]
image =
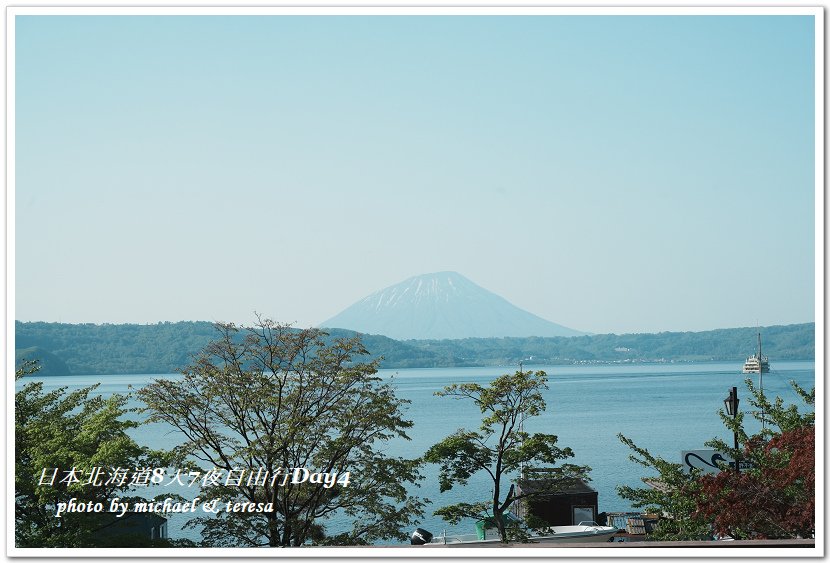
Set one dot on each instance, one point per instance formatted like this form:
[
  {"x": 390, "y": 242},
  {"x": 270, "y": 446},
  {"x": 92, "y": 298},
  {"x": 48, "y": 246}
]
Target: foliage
[
  {"x": 500, "y": 447},
  {"x": 163, "y": 347},
  {"x": 270, "y": 398},
  {"x": 60, "y": 430},
  {"x": 773, "y": 498},
  {"x": 670, "y": 495}
]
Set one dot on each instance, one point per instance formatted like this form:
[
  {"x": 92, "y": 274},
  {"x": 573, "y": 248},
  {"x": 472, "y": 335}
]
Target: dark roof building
[{"x": 556, "y": 504}]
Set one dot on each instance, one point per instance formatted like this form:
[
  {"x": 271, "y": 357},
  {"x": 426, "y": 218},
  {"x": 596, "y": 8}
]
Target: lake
[{"x": 665, "y": 408}]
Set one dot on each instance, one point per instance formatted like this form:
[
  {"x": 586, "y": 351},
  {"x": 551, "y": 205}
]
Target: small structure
[{"x": 566, "y": 505}]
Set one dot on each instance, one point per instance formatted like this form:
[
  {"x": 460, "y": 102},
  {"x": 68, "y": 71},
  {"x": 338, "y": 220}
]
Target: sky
[{"x": 608, "y": 173}]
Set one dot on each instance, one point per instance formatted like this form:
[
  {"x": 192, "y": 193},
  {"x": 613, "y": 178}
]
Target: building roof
[{"x": 554, "y": 486}]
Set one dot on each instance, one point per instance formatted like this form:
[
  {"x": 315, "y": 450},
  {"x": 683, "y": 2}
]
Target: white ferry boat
[{"x": 756, "y": 363}]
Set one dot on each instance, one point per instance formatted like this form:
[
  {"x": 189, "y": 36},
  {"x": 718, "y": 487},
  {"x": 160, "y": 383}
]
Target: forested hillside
[
  {"x": 165, "y": 347},
  {"x": 790, "y": 342},
  {"x": 111, "y": 348}
]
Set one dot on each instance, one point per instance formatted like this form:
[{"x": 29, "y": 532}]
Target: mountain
[{"x": 442, "y": 305}]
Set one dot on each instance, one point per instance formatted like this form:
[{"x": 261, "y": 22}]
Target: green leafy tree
[
  {"x": 773, "y": 498},
  {"x": 270, "y": 400},
  {"x": 500, "y": 447},
  {"x": 59, "y": 431},
  {"x": 671, "y": 494}
]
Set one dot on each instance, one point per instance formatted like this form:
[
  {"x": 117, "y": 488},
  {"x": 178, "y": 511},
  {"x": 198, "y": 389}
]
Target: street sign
[{"x": 709, "y": 461}]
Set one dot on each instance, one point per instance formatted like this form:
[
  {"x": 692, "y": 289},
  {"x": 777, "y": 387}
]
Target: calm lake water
[{"x": 665, "y": 408}]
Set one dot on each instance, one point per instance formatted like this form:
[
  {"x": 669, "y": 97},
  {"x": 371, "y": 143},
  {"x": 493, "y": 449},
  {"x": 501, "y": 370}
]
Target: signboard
[{"x": 708, "y": 461}]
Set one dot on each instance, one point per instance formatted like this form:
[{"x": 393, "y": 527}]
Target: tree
[
  {"x": 773, "y": 498},
  {"x": 269, "y": 403},
  {"x": 671, "y": 495},
  {"x": 58, "y": 432},
  {"x": 500, "y": 447}
]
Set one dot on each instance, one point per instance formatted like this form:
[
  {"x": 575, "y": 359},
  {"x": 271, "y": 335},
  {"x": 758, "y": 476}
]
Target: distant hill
[
  {"x": 48, "y": 363},
  {"x": 443, "y": 305},
  {"x": 88, "y": 349},
  {"x": 787, "y": 342}
]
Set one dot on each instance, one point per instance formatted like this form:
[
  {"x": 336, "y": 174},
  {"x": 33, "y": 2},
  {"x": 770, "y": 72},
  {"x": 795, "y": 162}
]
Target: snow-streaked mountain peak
[
  {"x": 441, "y": 286},
  {"x": 441, "y": 305}
]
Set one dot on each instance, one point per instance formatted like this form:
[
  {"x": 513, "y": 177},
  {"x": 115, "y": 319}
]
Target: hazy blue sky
[{"x": 608, "y": 173}]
